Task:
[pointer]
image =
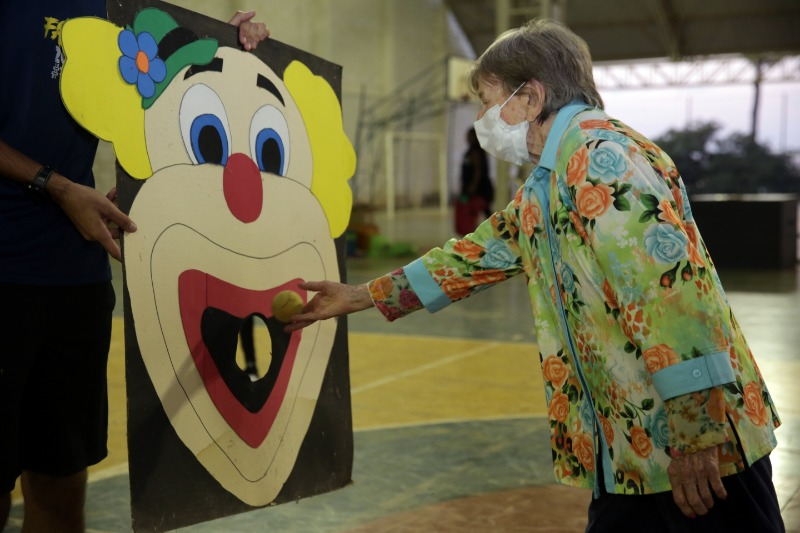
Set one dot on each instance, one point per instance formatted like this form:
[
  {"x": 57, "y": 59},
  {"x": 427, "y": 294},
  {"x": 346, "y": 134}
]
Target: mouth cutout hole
[
  {"x": 253, "y": 354},
  {"x": 220, "y": 332}
]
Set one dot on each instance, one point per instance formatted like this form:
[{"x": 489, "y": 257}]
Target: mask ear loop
[{"x": 512, "y": 94}]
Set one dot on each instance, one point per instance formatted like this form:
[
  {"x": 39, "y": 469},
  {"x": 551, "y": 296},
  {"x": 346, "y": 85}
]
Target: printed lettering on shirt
[{"x": 52, "y": 29}]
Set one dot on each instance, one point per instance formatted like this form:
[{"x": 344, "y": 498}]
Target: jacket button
[{"x": 697, "y": 372}]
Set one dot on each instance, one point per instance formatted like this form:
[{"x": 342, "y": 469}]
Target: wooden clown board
[{"x": 234, "y": 166}]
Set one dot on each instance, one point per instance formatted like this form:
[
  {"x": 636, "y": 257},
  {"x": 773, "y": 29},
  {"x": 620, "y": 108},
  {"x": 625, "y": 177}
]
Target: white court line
[
  {"x": 418, "y": 370},
  {"x": 121, "y": 469},
  {"x": 111, "y": 471},
  {"x": 445, "y": 421}
]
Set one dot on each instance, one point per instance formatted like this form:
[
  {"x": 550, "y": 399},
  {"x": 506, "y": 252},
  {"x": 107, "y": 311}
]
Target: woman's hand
[
  {"x": 693, "y": 477},
  {"x": 250, "y": 33},
  {"x": 332, "y": 299}
]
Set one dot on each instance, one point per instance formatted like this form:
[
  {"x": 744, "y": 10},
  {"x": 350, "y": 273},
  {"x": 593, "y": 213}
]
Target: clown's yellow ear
[
  {"x": 333, "y": 155},
  {"x": 97, "y": 97}
]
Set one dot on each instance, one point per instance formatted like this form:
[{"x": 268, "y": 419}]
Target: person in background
[
  {"x": 654, "y": 399},
  {"x": 248, "y": 343},
  {"x": 475, "y": 179},
  {"x": 56, "y": 298}
]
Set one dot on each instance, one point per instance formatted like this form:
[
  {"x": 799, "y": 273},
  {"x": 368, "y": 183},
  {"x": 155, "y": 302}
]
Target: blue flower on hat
[{"x": 140, "y": 63}]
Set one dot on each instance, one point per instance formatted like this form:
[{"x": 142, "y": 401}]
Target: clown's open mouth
[
  {"x": 220, "y": 333},
  {"x": 212, "y": 311}
]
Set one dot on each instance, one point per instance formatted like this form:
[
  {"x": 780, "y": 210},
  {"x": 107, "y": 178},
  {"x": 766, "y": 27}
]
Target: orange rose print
[
  {"x": 559, "y": 406},
  {"x": 691, "y": 232},
  {"x": 640, "y": 442},
  {"x": 668, "y": 214},
  {"x": 694, "y": 250},
  {"x": 754, "y": 404},
  {"x": 716, "y": 405},
  {"x": 577, "y": 223},
  {"x": 611, "y": 299},
  {"x": 583, "y": 450},
  {"x": 382, "y": 288},
  {"x": 456, "y": 288},
  {"x": 678, "y": 197},
  {"x": 554, "y": 371},
  {"x": 518, "y": 197},
  {"x": 659, "y": 356},
  {"x": 486, "y": 277},
  {"x": 626, "y": 329},
  {"x": 596, "y": 125},
  {"x": 608, "y": 430},
  {"x": 593, "y": 200},
  {"x": 469, "y": 250},
  {"x": 531, "y": 217},
  {"x": 649, "y": 146},
  {"x": 442, "y": 271},
  {"x": 695, "y": 256},
  {"x": 577, "y": 167}
]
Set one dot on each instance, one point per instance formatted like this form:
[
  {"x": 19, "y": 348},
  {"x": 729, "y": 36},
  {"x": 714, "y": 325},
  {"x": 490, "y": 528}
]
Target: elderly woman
[{"x": 654, "y": 399}]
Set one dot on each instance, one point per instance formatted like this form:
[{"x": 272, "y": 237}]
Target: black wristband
[{"x": 39, "y": 183}]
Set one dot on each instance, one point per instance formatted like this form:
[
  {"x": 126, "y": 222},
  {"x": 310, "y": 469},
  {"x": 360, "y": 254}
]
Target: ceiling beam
[{"x": 669, "y": 28}]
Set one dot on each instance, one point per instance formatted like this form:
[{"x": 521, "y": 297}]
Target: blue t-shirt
[{"x": 39, "y": 245}]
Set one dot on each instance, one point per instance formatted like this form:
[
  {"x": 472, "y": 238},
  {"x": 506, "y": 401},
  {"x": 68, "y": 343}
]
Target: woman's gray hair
[{"x": 542, "y": 50}]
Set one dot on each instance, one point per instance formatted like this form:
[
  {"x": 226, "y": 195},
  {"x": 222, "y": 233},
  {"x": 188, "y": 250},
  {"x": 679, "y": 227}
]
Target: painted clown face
[
  {"x": 226, "y": 222},
  {"x": 244, "y": 189}
]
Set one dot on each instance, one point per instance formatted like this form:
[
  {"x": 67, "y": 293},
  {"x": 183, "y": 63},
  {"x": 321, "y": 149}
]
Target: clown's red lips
[{"x": 211, "y": 313}]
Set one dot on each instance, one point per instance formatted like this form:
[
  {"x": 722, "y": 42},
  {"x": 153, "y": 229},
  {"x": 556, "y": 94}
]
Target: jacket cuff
[
  {"x": 425, "y": 287},
  {"x": 693, "y": 375}
]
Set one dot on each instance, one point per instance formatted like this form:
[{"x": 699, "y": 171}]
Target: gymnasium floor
[{"x": 448, "y": 414}]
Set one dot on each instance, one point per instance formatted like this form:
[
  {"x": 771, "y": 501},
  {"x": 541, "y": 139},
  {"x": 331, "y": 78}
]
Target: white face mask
[{"x": 508, "y": 142}]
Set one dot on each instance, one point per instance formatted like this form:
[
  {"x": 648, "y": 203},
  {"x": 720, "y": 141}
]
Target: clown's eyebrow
[
  {"x": 264, "y": 83},
  {"x": 214, "y": 66}
]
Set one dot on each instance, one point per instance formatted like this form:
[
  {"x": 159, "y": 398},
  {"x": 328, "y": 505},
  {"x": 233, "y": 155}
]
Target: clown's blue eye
[
  {"x": 269, "y": 152},
  {"x": 204, "y": 126},
  {"x": 269, "y": 140},
  {"x": 209, "y": 143}
]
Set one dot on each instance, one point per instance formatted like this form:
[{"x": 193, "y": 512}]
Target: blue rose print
[
  {"x": 665, "y": 244},
  {"x": 611, "y": 136},
  {"x": 563, "y": 192},
  {"x": 497, "y": 255},
  {"x": 140, "y": 63},
  {"x": 555, "y": 250},
  {"x": 687, "y": 207},
  {"x": 587, "y": 414},
  {"x": 658, "y": 425},
  {"x": 607, "y": 162},
  {"x": 567, "y": 278}
]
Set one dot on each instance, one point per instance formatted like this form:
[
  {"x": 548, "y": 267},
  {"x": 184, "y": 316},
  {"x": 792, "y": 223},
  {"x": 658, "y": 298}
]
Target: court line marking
[
  {"x": 423, "y": 368},
  {"x": 445, "y": 421},
  {"x": 105, "y": 473},
  {"x": 435, "y": 338},
  {"x": 122, "y": 468}
]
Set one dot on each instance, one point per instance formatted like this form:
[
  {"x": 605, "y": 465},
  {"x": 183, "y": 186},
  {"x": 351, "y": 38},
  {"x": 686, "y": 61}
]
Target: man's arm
[{"x": 88, "y": 209}]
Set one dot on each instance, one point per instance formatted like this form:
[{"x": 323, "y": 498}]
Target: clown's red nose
[{"x": 244, "y": 192}]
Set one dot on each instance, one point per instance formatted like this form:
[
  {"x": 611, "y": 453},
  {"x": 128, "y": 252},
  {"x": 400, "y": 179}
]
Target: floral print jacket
[{"x": 641, "y": 355}]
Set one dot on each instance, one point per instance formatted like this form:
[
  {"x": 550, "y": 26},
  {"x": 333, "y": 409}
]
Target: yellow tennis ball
[{"x": 285, "y": 305}]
